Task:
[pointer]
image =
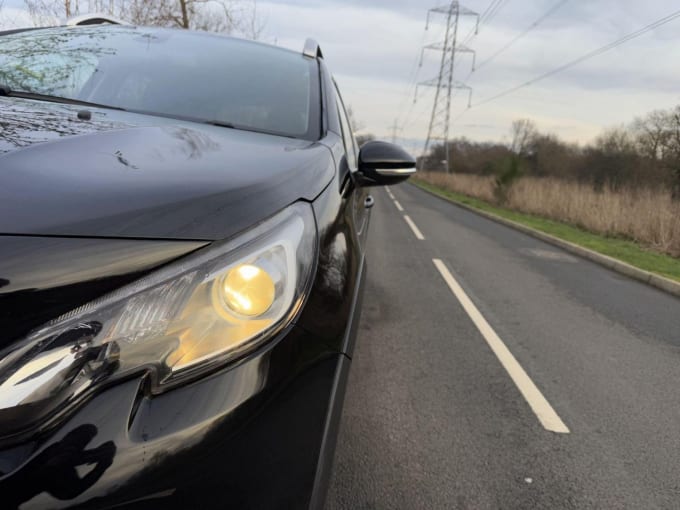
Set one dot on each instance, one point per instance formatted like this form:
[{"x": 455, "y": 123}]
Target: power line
[
  {"x": 536, "y": 23},
  {"x": 457, "y": 117},
  {"x": 413, "y": 78},
  {"x": 420, "y": 114},
  {"x": 494, "y": 6},
  {"x": 475, "y": 30},
  {"x": 585, "y": 57},
  {"x": 493, "y": 13},
  {"x": 413, "y": 86},
  {"x": 394, "y": 129},
  {"x": 491, "y": 6}
]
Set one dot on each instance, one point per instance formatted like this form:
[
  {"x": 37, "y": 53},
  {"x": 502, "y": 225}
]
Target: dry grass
[
  {"x": 648, "y": 217},
  {"x": 471, "y": 185}
]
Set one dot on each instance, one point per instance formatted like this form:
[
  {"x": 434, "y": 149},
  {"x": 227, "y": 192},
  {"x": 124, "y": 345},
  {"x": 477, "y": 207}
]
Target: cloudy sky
[{"x": 373, "y": 46}]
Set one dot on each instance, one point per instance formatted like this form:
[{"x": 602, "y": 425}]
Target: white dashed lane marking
[
  {"x": 416, "y": 231},
  {"x": 538, "y": 403}
]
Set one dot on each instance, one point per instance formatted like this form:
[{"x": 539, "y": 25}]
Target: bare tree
[
  {"x": 522, "y": 133},
  {"x": 209, "y": 15},
  {"x": 227, "y": 16},
  {"x": 651, "y": 133},
  {"x": 47, "y": 12},
  {"x": 671, "y": 149},
  {"x": 615, "y": 141},
  {"x": 657, "y": 136}
]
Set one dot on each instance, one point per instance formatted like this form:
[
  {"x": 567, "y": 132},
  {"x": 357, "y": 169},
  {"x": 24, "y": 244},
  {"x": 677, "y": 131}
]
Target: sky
[{"x": 373, "y": 48}]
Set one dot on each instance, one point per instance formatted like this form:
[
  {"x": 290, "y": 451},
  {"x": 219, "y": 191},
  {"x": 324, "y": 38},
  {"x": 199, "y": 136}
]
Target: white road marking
[
  {"x": 539, "y": 405},
  {"x": 396, "y": 202},
  {"x": 416, "y": 231}
]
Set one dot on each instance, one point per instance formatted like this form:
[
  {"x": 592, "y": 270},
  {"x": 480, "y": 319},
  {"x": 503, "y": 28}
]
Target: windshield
[{"x": 168, "y": 72}]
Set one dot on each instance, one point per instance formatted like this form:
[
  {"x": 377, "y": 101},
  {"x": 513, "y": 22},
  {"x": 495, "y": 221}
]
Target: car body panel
[
  {"x": 140, "y": 176},
  {"x": 44, "y": 277},
  {"x": 268, "y": 421},
  {"x": 215, "y": 443}
]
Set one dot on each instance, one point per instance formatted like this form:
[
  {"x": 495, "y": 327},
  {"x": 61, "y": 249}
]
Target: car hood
[
  {"x": 44, "y": 277},
  {"x": 128, "y": 175}
]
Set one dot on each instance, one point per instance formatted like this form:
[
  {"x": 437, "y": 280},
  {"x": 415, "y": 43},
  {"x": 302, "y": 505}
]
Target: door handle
[{"x": 369, "y": 202}]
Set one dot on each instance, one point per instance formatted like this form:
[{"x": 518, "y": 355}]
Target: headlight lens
[
  {"x": 247, "y": 290},
  {"x": 201, "y": 311}
]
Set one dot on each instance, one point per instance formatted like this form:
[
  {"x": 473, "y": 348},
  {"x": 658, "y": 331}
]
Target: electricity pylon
[{"x": 441, "y": 109}]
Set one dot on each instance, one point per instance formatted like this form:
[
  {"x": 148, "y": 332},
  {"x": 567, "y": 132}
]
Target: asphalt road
[{"x": 435, "y": 417}]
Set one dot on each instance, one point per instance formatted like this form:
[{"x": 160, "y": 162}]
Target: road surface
[{"x": 493, "y": 370}]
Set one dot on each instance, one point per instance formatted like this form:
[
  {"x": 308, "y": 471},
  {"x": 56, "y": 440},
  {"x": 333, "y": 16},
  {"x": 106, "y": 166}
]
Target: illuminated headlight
[{"x": 199, "y": 312}]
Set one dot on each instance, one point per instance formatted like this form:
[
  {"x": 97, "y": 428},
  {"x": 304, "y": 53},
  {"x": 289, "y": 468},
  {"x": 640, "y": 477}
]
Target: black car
[{"x": 183, "y": 219}]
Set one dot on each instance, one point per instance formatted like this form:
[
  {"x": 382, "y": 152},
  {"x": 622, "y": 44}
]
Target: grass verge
[{"x": 621, "y": 249}]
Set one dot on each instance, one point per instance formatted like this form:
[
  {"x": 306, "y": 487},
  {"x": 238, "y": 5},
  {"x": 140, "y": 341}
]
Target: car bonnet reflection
[{"x": 24, "y": 123}]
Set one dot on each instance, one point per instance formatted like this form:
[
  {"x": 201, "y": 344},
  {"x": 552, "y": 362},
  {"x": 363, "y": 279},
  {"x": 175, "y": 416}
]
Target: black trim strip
[{"x": 324, "y": 465}]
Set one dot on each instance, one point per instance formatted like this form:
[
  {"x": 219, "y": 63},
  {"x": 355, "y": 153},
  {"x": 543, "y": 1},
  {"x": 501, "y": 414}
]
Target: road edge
[{"x": 652, "y": 279}]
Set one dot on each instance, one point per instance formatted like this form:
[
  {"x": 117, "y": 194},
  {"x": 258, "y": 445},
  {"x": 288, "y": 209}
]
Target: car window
[
  {"x": 173, "y": 73},
  {"x": 347, "y": 134}
]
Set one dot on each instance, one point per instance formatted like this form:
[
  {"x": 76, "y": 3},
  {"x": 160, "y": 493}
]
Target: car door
[{"x": 360, "y": 202}]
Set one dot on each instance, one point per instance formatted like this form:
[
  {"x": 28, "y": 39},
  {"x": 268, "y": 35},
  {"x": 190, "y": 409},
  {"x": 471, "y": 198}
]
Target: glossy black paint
[
  {"x": 259, "y": 433},
  {"x": 215, "y": 443},
  {"x": 44, "y": 277},
  {"x": 130, "y": 175},
  {"x": 218, "y": 441},
  {"x": 375, "y": 156}
]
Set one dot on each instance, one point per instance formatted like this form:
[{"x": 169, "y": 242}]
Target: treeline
[
  {"x": 228, "y": 16},
  {"x": 644, "y": 154}
]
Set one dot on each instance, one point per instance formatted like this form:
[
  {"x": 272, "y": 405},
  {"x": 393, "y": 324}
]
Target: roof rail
[
  {"x": 94, "y": 19},
  {"x": 312, "y": 49}
]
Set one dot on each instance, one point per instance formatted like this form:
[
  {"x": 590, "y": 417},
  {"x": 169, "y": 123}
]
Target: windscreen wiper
[
  {"x": 218, "y": 123},
  {"x": 239, "y": 127},
  {"x": 8, "y": 92}
]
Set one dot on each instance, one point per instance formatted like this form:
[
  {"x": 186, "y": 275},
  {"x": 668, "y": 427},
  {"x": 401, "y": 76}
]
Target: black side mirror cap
[{"x": 382, "y": 163}]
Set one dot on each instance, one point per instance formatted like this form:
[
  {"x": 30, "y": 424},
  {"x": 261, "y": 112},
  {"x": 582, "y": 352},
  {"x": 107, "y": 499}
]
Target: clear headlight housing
[{"x": 199, "y": 312}]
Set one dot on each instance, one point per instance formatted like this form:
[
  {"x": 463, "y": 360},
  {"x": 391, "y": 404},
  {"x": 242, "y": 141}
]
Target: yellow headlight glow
[{"x": 248, "y": 290}]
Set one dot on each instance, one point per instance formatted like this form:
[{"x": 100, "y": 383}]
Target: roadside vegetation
[
  {"x": 625, "y": 185},
  {"x": 649, "y": 218},
  {"x": 617, "y": 247},
  {"x": 619, "y": 195}
]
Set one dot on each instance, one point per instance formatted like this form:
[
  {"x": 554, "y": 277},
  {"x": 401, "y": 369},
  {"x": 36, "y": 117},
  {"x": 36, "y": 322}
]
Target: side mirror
[{"x": 382, "y": 163}]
